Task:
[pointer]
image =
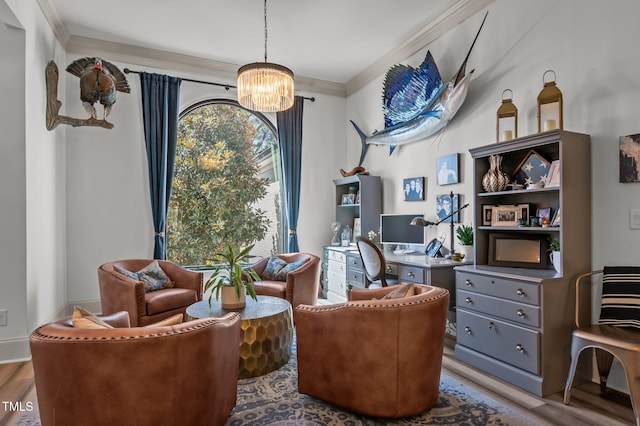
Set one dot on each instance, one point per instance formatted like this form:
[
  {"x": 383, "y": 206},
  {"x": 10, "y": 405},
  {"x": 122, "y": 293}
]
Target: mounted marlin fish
[{"x": 417, "y": 103}]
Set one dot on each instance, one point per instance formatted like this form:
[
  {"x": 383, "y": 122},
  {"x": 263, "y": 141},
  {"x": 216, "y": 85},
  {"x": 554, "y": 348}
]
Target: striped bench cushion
[{"x": 621, "y": 296}]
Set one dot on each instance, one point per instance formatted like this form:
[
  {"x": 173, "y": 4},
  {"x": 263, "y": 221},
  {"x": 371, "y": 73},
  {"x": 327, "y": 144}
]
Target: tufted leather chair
[
  {"x": 175, "y": 375},
  {"x": 380, "y": 358},
  {"x": 120, "y": 293},
  {"x": 301, "y": 285}
]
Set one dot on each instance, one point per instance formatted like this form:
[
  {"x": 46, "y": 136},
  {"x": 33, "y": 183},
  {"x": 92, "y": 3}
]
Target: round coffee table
[{"x": 267, "y": 332}]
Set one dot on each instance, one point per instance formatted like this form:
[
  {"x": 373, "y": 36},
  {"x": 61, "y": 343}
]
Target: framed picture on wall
[
  {"x": 445, "y": 205},
  {"x": 448, "y": 169},
  {"x": 413, "y": 189},
  {"x": 629, "y": 167}
]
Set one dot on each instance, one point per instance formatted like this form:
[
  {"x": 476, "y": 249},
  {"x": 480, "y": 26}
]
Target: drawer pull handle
[
  {"x": 520, "y": 313},
  {"x": 354, "y": 277},
  {"x": 468, "y": 282},
  {"x": 468, "y": 300},
  {"x": 520, "y": 348},
  {"x": 520, "y": 292},
  {"x": 491, "y": 325},
  {"x": 389, "y": 268},
  {"x": 467, "y": 330},
  {"x": 410, "y": 274}
]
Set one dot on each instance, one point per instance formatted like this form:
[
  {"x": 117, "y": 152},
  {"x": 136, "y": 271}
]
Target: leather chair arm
[
  {"x": 120, "y": 293},
  {"x": 184, "y": 278},
  {"x": 303, "y": 283}
]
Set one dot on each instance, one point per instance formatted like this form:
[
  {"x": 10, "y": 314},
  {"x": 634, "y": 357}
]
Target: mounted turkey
[{"x": 99, "y": 81}]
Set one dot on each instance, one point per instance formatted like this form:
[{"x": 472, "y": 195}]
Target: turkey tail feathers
[{"x": 82, "y": 65}]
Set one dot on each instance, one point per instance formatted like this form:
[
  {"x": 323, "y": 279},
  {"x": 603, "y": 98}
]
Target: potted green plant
[
  {"x": 465, "y": 238},
  {"x": 232, "y": 279},
  {"x": 554, "y": 249}
]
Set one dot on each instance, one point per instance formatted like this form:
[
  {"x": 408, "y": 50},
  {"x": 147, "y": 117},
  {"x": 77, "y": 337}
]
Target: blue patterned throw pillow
[
  {"x": 289, "y": 267},
  {"x": 273, "y": 267},
  {"x": 621, "y": 296},
  {"x": 152, "y": 276}
]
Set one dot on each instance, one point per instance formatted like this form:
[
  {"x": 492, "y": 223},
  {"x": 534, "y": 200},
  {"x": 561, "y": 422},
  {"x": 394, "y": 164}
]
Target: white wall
[
  {"x": 32, "y": 187},
  {"x": 591, "y": 47}
]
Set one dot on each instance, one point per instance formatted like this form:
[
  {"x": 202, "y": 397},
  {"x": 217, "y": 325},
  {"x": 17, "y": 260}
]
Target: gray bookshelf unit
[{"x": 512, "y": 322}]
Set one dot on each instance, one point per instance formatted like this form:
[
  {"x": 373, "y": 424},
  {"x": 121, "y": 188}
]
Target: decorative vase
[
  {"x": 556, "y": 259},
  {"x": 467, "y": 251},
  {"x": 495, "y": 179},
  {"x": 230, "y": 299}
]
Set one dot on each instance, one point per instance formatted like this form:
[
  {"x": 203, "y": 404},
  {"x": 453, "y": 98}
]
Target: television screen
[{"x": 397, "y": 229}]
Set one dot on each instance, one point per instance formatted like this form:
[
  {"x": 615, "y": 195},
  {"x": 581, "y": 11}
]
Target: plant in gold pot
[
  {"x": 465, "y": 238},
  {"x": 232, "y": 278}
]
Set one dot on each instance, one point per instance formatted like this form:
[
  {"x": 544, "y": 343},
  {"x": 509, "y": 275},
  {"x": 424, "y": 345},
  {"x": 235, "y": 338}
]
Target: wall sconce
[
  {"x": 549, "y": 105},
  {"x": 506, "y": 119}
]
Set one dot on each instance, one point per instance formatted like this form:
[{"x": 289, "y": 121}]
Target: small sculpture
[{"x": 99, "y": 81}]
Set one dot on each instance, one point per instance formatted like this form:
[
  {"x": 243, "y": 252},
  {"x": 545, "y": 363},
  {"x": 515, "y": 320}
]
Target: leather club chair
[
  {"x": 120, "y": 293},
  {"x": 379, "y": 358},
  {"x": 185, "y": 374},
  {"x": 302, "y": 284}
]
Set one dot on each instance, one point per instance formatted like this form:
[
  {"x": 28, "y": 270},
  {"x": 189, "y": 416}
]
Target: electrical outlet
[
  {"x": 634, "y": 219},
  {"x": 4, "y": 313}
]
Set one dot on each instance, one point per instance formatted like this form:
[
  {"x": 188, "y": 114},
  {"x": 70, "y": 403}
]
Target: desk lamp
[{"x": 418, "y": 221}]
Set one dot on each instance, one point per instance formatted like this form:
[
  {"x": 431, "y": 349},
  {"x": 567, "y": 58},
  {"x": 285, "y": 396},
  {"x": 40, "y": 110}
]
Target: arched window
[{"x": 227, "y": 184}]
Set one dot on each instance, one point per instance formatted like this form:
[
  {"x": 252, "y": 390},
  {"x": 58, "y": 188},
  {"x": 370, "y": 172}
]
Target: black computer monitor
[{"x": 397, "y": 229}]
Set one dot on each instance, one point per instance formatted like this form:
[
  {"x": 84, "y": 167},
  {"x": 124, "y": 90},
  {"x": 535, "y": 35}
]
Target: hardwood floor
[{"x": 586, "y": 408}]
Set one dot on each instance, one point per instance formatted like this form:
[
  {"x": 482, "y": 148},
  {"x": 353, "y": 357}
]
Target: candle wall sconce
[
  {"x": 549, "y": 105},
  {"x": 506, "y": 119}
]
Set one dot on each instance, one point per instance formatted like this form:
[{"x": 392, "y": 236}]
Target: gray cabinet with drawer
[{"x": 355, "y": 271}]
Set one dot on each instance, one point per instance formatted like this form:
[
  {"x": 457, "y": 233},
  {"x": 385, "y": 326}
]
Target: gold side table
[{"x": 267, "y": 332}]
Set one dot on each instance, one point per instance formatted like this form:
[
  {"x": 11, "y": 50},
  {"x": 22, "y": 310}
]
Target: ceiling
[{"x": 333, "y": 41}]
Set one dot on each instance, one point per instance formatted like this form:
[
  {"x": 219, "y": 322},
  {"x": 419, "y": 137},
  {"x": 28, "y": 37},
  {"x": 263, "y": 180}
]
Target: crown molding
[
  {"x": 227, "y": 72},
  {"x": 445, "y": 22}
]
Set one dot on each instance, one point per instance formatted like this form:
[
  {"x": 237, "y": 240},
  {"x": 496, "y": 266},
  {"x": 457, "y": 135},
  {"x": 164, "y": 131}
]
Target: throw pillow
[
  {"x": 289, "y": 267},
  {"x": 621, "y": 296},
  {"x": 82, "y": 318},
  {"x": 274, "y": 265},
  {"x": 152, "y": 276},
  {"x": 172, "y": 320},
  {"x": 404, "y": 290}
]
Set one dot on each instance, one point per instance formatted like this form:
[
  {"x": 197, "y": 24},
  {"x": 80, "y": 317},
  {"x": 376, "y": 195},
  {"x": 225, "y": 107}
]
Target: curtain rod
[{"x": 226, "y": 86}]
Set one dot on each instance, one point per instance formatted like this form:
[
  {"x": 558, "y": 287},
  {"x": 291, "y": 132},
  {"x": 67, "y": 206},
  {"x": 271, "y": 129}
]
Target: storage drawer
[
  {"x": 410, "y": 274},
  {"x": 354, "y": 262},
  {"x": 338, "y": 267},
  {"x": 337, "y": 256},
  {"x": 515, "y": 290},
  {"x": 391, "y": 270},
  {"x": 518, "y": 312},
  {"x": 337, "y": 283},
  {"x": 508, "y": 343},
  {"x": 356, "y": 278}
]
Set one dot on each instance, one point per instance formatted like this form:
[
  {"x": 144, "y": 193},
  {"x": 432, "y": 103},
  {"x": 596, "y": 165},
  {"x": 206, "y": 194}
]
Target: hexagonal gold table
[{"x": 266, "y": 336}]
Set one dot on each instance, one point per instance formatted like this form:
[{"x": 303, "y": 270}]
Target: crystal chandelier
[{"x": 263, "y": 86}]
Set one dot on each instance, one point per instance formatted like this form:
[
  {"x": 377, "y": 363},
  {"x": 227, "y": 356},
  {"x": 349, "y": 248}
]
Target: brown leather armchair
[
  {"x": 301, "y": 285},
  {"x": 380, "y": 358},
  {"x": 120, "y": 293},
  {"x": 183, "y": 374}
]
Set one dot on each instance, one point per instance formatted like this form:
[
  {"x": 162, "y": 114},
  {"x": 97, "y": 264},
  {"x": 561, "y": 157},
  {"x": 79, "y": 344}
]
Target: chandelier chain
[{"x": 265, "y": 30}]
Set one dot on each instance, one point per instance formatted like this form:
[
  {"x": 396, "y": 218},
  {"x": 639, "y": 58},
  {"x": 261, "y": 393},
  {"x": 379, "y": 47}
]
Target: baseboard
[{"x": 15, "y": 350}]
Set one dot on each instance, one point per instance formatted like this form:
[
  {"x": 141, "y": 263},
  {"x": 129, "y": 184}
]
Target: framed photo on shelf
[
  {"x": 524, "y": 213},
  {"x": 544, "y": 213},
  {"x": 505, "y": 215},
  {"x": 487, "y": 214},
  {"x": 348, "y": 199},
  {"x": 413, "y": 189},
  {"x": 358, "y": 197},
  {"x": 556, "y": 218},
  {"x": 553, "y": 177}
]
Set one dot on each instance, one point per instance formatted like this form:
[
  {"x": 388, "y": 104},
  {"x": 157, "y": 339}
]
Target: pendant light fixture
[{"x": 263, "y": 86}]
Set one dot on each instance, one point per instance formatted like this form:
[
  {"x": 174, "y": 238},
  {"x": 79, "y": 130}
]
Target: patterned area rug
[{"x": 273, "y": 399}]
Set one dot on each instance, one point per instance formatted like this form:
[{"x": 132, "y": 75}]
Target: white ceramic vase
[
  {"x": 468, "y": 253},
  {"x": 556, "y": 259},
  {"x": 230, "y": 299}
]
